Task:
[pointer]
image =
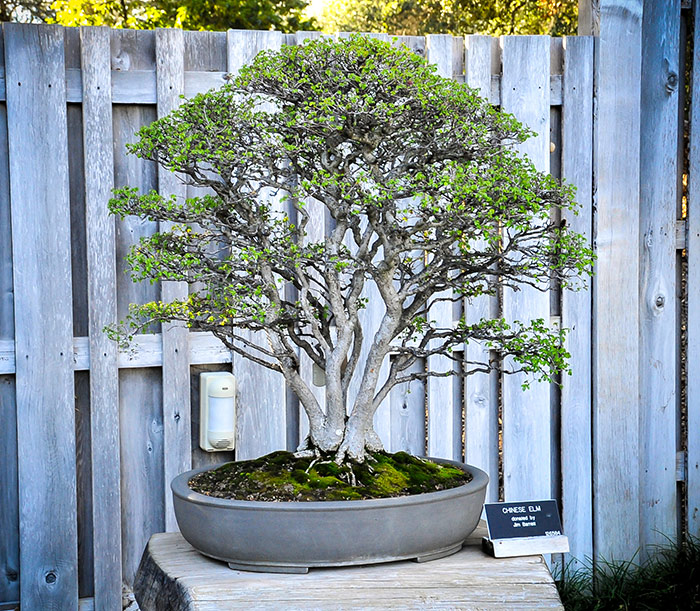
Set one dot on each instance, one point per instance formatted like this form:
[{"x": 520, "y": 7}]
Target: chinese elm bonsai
[{"x": 427, "y": 199}]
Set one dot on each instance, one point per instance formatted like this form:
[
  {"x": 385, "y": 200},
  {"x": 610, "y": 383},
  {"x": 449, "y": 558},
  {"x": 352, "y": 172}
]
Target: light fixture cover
[{"x": 217, "y": 411}]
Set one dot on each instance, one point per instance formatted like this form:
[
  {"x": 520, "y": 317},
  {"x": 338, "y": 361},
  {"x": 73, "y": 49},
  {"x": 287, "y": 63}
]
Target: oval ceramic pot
[{"x": 293, "y": 536}]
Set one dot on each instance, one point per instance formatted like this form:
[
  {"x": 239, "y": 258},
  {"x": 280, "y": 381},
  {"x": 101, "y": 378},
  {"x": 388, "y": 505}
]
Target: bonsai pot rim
[{"x": 180, "y": 488}]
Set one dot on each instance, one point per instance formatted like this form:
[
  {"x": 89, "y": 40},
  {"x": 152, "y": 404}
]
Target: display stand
[{"x": 174, "y": 577}]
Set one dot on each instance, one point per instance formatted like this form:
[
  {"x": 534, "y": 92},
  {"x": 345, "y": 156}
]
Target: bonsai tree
[{"x": 427, "y": 200}]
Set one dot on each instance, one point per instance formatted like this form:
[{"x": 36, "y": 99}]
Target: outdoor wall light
[{"x": 217, "y": 411}]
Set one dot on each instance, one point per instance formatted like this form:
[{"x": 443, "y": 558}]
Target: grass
[{"x": 668, "y": 581}]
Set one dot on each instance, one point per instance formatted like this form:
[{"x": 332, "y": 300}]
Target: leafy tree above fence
[
  {"x": 281, "y": 15},
  {"x": 417, "y": 17}
]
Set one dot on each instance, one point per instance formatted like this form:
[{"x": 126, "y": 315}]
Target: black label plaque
[{"x": 523, "y": 519}]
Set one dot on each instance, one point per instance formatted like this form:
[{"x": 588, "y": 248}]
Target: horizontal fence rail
[{"x": 116, "y": 426}]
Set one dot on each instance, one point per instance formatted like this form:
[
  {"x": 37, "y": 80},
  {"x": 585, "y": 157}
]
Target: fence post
[
  {"x": 102, "y": 301},
  {"x": 693, "y": 247},
  {"x": 38, "y": 152},
  {"x": 527, "y": 443},
  {"x": 177, "y": 445},
  {"x": 616, "y": 283},
  {"x": 659, "y": 328},
  {"x": 577, "y": 168}
]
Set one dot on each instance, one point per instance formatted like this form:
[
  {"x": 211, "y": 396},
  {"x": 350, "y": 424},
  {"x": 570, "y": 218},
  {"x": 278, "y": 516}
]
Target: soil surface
[{"x": 281, "y": 476}]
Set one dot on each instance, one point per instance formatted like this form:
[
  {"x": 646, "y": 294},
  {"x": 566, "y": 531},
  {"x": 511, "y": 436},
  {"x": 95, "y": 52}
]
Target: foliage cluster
[
  {"x": 28, "y": 11},
  {"x": 282, "y": 15},
  {"x": 428, "y": 201},
  {"x": 419, "y": 17}
]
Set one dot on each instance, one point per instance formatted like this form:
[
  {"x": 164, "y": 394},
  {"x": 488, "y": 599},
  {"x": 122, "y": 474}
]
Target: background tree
[
  {"x": 429, "y": 203},
  {"x": 418, "y": 17},
  {"x": 282, "y": 15},
  {"x": 28, "y": 11}
]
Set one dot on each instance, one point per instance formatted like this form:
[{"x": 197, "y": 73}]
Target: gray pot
[{"x": 290, "y": 537}]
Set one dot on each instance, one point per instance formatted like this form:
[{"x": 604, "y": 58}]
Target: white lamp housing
[{"x": 217, "y": 411}]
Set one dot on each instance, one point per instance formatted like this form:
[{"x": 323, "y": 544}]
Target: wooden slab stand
[{"x": 174, "y": 577}]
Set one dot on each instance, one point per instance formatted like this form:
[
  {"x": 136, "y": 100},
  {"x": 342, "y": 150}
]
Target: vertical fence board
[
  {"x": 102, "y": 301},
  {"x": 204, "y": 52},
  {"x": 80, "y": 327},
  {"x": 37, "y": 129},
  {"x": 526, "y": 414},
  {"x": 83, "y": 436},
  {"x": 616, "y": 283},
  {"x": 693, "y": 280},
  {"x": 78, "y": 238},
  {"x": 577, "y": 169},
  {"x": 140, "y": 409},
  {"x": 407, "y": 405},
  {"x": 481, "y": 390},
  {"x": 261, "y": 417},
  {"x": 9, "y": 508},
  {"x": 142, "y": 447},
  {"x": 659, "y": 331},
  {"x": 444, "y": 413},
  {"x": 170, "y": 85}
]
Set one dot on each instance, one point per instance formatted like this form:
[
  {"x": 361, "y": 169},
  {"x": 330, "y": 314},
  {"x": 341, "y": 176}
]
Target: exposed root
[
  {"x": 306, "y": 450},
  {"x": 312, "y": 463}
]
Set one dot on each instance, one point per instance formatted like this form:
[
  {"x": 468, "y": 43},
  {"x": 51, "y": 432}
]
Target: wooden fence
[{"x": 91, "y": 437}]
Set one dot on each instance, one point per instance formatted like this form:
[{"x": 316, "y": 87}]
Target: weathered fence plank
[
  {"x": 204, "y": 52},
  {"x": 616, "y": 283},
  {"x": 261, "y": 415},
  {"x": 481, "y": 426},
  {"x": 140, "y": 394},
  {"x": 102, "y": 300},
  {"x": 407, "y": 405},
  {"x": 659, "y": 329},
  {"x": 576, "y": 391},
  {"x": 170, "y": 85},
  {"x": 693, "y": 341},
  {"x": 142, "y": 485},
  {"x": 76, "y": 179},
  {"x": 444, "y": 413},
  {"x": 9, "y": 508},
  {"x": 38, "y": 154},
  {"x": 527, "y": 443}
]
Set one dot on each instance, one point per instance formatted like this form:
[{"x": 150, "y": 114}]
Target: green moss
[
  {"x": 328, "y": 468},
  {"x": 388, "y": 480},
  {"x": 325, "y": 482},
  {"x": 300, "y": 476},
  {"x": 281, "y": 476}
]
